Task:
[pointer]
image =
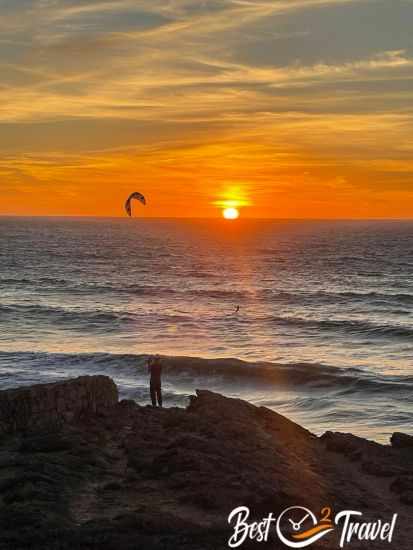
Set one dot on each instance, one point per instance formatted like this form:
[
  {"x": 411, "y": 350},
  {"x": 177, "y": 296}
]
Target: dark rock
[
  {"x": 127, "y": 477},
  {"x": 127, "y": 404},
  {"x": 113, "y": 486},
  {"x": 407, "y": 498},
  {"x": 347, "y": 444},
  {"x": 48, "y": 443},
  {"x": 402, "y": 483},
  {"x": 382, "y": 468},
  {"x": 401, "y": 441},
  {"x": 50, "y": 406}
]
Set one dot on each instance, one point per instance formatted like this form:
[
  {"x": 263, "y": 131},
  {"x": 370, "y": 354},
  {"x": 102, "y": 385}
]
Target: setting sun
[{"x": 230, "y": 213}]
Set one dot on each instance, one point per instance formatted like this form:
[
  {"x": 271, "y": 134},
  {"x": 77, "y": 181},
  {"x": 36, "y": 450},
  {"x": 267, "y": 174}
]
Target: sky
[{"x": 283, "y": 108}]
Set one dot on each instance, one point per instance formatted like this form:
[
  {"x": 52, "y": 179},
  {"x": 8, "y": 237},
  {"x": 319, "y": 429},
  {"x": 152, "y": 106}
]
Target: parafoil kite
[{"x": 139, "y": 197}]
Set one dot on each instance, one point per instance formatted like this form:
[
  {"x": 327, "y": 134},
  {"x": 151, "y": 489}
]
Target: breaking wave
[{"x": 226, "y": 371}]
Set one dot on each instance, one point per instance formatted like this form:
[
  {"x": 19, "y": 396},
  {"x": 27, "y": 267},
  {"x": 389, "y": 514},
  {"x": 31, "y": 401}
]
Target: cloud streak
[{"x": 188, "y": 91}]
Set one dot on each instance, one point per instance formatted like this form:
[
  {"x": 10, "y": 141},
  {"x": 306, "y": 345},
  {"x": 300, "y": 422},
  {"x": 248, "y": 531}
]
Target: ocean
[{"x": 324, "y": 332}]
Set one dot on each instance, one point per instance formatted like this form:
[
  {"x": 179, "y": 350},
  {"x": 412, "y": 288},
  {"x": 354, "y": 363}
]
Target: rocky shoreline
[{"x": 81, "y": 470}]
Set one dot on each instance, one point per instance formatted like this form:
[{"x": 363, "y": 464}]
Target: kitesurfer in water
[{"x": 155, "y": 371}]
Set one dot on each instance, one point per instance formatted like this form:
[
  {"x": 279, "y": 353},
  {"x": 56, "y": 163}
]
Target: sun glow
[{"x": 230, "y": 213}]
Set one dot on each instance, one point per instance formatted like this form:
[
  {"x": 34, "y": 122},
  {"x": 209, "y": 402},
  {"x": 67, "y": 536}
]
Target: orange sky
[{"x": 285, "y": 109}]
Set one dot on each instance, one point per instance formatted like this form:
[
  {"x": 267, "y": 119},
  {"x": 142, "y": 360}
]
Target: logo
[{"x": 299, "y": 527}]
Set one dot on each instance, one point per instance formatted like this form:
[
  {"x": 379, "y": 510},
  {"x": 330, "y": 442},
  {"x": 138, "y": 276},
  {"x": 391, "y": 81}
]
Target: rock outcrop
[
  {"x": 401, "y": 441},
  {"x": 48, "y": 406},
  {"x": 122, "y": 476}
]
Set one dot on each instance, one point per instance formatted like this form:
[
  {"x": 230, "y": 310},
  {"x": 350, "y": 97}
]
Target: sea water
[{"x": 325, "y": 322}]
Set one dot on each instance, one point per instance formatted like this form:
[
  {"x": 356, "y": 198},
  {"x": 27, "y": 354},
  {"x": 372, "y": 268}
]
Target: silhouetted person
[
  {"x": 236, "y": 309},
  {"x": 155, "y": 371}
]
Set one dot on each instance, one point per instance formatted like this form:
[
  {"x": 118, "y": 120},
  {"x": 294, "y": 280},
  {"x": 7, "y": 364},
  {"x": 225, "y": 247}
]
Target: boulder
[{"x": 401, "y": 441}]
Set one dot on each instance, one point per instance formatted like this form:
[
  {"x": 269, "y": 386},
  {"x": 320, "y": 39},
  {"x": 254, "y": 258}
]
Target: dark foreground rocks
[{"x": 122, "y": 476}]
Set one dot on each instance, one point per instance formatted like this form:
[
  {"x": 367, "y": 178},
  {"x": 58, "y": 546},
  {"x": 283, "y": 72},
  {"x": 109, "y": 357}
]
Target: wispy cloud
[{"x": 171, "y": 86}]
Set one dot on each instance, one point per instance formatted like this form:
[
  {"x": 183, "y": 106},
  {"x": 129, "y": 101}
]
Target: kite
[{"x": 139, "y": 197}]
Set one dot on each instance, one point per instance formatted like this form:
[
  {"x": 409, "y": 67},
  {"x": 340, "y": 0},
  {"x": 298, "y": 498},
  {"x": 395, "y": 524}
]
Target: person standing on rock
[{"x": 155, "y": 371}]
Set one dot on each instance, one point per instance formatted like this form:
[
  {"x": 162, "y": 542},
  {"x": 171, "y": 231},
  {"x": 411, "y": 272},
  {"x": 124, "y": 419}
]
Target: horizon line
[{"x": 143, "y": 218}]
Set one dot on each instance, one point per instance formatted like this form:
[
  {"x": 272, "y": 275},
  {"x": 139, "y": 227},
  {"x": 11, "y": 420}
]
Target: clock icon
[{"x": 297, "y": 527}]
